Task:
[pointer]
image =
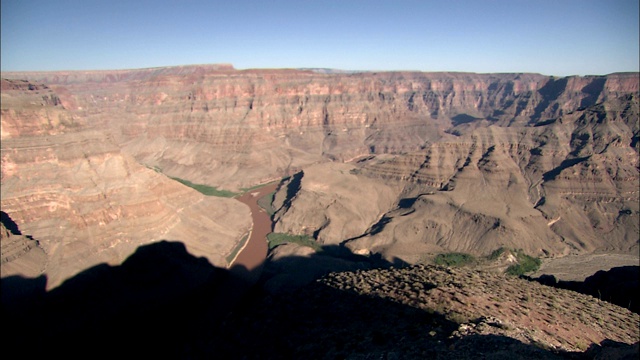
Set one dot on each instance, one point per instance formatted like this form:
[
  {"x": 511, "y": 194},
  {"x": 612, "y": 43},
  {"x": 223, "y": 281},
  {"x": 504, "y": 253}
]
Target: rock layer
[{"x": 273, "y": 122}]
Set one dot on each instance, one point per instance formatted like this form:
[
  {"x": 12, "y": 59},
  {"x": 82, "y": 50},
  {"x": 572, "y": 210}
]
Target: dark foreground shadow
[
  {"x": 320, "y": 322},
  {"x": 618, "y": 285},
  {"x": 287, "y": 273},
  {"x": 164, "y": 303},
  {"x": 160, "y": 302}
]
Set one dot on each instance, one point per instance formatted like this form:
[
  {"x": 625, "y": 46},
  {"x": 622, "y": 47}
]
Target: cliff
[{"x": 274, "y": 122}]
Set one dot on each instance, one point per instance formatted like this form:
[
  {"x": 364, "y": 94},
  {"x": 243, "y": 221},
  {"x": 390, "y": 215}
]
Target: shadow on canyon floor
[
  {"x": 287, "y": 273},
  {"x": 321, "y": 322},
  {"x": 618, "y": 285},
  {"x": 10, "y": 225},
  {"x": 163, "y": 302}
]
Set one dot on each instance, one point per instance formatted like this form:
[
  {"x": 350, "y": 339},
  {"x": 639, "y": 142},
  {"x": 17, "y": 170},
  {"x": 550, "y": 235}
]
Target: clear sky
[{"x": 552, "y": 37}]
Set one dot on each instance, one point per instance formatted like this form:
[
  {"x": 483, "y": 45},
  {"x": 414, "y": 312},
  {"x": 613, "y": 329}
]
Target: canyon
[
  {"x": 402, "y": 165},
  {"x": 109, "y": 242}
]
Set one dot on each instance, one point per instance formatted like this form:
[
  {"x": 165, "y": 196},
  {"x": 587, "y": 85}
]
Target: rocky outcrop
[
  {"x": 335, "y": 207},
  {"x": 431, "y": 312},
  {"x": 14, "y": 245}
]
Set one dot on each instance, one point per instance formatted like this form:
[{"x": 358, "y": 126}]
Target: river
[{"x": 250, "y": 261}]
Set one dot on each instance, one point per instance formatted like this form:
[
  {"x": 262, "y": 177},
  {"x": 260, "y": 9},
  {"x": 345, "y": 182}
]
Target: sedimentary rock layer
[{"x": 230, "y": 128}]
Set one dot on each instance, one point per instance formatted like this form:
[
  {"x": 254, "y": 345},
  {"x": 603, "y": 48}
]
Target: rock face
[
  {"x": 14, "y": 245},
  {"x": 445, "y": 161},
  {"x": 275, "y": 121},
  {"x": 70, "y": 187},
  {"x": 556, "y": 174}
]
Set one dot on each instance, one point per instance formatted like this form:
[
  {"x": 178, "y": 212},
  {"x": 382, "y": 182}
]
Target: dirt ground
[{"x": 577, "y": 268}]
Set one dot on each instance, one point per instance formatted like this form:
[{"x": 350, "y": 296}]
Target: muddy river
[{"x": 249, "y": 262}]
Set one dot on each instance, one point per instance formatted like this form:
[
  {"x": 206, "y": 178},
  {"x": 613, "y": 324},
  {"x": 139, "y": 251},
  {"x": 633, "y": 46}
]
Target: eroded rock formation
[
  {"x": 555, "y": 174},
  {"x": 441, "y": 161}
]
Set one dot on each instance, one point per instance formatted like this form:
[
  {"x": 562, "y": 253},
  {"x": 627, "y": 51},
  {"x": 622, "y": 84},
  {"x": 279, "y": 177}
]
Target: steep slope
[{"x": 276, "y": 121}]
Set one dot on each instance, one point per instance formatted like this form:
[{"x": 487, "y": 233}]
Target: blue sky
[{"x": 552, "y": 37}]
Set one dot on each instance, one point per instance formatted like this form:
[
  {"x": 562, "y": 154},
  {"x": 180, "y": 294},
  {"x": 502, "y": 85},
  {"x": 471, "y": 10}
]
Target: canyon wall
[
  {"x": 250, "y": 126},
  {"x": 437, "y": 161}
]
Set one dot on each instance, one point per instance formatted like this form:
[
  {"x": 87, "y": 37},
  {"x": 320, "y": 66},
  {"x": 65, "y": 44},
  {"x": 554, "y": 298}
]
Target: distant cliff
[{"x": 275, "y": 121}]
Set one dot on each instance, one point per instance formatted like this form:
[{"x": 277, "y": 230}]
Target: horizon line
[{"x": 320, "y": 70}]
